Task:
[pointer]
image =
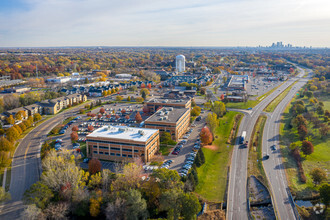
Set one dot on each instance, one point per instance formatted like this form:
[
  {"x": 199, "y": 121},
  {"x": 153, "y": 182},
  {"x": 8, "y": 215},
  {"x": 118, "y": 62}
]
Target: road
[
  {"x": 274, "y": 165},
  {"x": 26, "y": 165},
  {"x": 236, "y": 197}
]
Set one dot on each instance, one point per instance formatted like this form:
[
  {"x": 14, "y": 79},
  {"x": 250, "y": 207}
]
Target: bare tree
[
  {"x": 32, "y": 212},
  {"x": 116, "y": 210},
  {"x": 57, "y": 211}
]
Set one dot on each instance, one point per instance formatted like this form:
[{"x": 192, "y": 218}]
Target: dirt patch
[
  {"x": 213, "y": 215},
  {"x": 211, "y": 147},
  {"x": 258, "y": 192}
]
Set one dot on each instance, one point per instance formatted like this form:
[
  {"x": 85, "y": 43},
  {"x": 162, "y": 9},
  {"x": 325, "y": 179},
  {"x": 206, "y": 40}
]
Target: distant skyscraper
[{"x": 180, "y": 63}]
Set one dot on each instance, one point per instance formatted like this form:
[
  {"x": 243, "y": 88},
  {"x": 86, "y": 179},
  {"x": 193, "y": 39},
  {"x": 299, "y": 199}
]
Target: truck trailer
[{"x": 243, "y": 137}]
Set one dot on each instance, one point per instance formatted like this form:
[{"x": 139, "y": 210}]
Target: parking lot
[
  {"x": 113, "y": 115},
  {"x": 180, "y": 159}
]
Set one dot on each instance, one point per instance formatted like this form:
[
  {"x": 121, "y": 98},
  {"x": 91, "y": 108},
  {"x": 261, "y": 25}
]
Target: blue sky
[{"x": 164, "y": 22}]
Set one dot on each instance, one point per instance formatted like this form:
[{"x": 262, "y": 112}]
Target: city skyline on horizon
[{"x": 238, "y": 23}]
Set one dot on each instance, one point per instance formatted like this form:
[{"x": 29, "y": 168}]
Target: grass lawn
[
  {"x": 165, "y": 149},
  {"x": 319, "y": 158},
  {"x": 242, "y": 105},
  {"x": 271, "y": 106},
  {"x": 255, "y": 156},
  {"x": 212, "y": 174}
]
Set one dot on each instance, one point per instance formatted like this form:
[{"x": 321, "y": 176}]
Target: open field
[
  {"x": 255, "y": 156},
  {"x": 319, "y": 158},
  {"x": 213, "y": 174},
  {"x": 242, "y": 105}
]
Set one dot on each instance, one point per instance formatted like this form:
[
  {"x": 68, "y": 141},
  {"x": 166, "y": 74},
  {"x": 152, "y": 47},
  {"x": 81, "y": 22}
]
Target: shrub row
[{"x": 297, "y": 157}]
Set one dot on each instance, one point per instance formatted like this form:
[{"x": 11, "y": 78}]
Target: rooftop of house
[{"x": 123, "y": 133}]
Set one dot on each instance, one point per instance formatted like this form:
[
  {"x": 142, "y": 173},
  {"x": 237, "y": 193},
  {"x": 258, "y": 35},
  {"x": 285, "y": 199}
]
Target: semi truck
[{"x": 243, "y": 137}]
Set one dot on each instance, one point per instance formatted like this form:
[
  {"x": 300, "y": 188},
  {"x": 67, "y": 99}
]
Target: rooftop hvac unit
[
  {"x": 121, "y": 129},
  {"x": 141, "y": 132},
  {"x": 170, "y": 109},
  {"x": 165, "y": 118}
]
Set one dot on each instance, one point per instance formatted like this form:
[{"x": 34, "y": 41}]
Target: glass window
[
  {"x": 112, "y": 154},
  {"x": 118, "y": 155},
  {"x": 95, "y": 152}
]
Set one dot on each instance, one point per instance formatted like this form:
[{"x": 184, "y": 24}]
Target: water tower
[{"x": 180, "y": 63}]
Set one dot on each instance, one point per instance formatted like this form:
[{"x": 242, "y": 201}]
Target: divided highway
[
  {"x": 236, "y": 196},
  {"x": 274, "y": 165}
]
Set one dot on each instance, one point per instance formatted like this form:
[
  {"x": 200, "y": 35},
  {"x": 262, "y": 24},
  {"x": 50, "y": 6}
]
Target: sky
[{"x": 188, "y": 23}]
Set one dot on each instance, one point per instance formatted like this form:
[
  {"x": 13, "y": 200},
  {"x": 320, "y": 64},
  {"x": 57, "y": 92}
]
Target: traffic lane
[
  {"x": 236, "y": 208},
  {"x": 274, "y": 167},
  {"x": 25, "y": 170}
]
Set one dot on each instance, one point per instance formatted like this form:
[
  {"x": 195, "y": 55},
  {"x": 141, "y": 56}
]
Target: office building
[
  {"x": 155, "y": 104},
  {"x": 121, "y": 143},
  {"x": 173, "y": 120}
]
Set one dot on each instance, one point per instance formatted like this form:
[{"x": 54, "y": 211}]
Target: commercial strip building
[
  {"x": 121, "y": 143},
  {"x": 154, "y": 104},
  {"x": 238, "y": 82},
  {"x": 173, "y": 120}
]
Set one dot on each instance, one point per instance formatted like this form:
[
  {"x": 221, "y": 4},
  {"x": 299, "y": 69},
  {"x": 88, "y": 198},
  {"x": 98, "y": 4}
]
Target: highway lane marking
[{"x": 27, "y": 150}]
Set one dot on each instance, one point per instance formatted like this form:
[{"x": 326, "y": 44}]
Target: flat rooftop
[
  {"x": 123, "y": 133},
  {"x": 168, "y": 101},
  {"x": 167, "y": 114}
]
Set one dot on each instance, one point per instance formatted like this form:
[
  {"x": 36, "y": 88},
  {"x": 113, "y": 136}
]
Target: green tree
[
  {"x": 318, "y": 175},
  {"x": 219, "y": 108},
  {"x": 133, "y": 88},
  {"x": 128, "y": 98},
  {"x": 165, "y": 137},
  {"x": 38, "y": 194},
  {"x": 119, "y": 98},
  {"x": 184, "y": 84},
  {"x": 169, "y": 202},
  {"x": 190, "y": 206},
  {"x": 212, "y": 121},
  {"x": 325, "y": 193},
  {"x": 136, "y": 206}
]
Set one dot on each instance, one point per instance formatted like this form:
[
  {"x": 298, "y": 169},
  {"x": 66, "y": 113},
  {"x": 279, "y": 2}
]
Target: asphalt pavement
[
  {"x": 236, "y": 197},
  {"x": 26, "y": 165},
  {"x": 273, "y": 166}
]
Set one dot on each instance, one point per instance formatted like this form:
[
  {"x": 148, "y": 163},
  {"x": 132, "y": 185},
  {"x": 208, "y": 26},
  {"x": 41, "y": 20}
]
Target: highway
[
  {"x": 274, "y": 165},
  {"x": 26, "y": 165},
  {"x": 236, "y": 196}
]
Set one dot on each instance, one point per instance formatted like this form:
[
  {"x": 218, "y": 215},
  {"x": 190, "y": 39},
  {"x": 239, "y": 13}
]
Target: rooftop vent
[
  {"x": 121, "y": 129},
  {"x": 141, "y": 132}
]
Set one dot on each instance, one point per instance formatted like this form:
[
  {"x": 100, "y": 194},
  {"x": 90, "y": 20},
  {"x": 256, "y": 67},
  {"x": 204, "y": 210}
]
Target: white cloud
[{"x": 168, "y": 23}]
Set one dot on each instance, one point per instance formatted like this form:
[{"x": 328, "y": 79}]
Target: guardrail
[
  {"x": 295, "y": 210},
  {"x": 248, "y": 199}
]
